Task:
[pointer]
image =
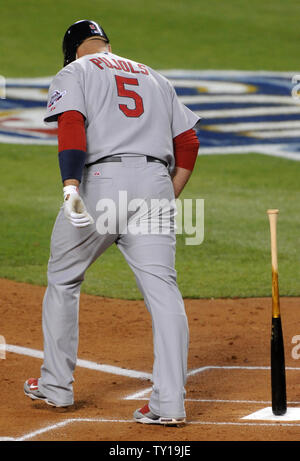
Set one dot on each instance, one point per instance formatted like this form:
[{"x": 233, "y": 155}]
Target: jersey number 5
[{"x": 124, "y": 93}]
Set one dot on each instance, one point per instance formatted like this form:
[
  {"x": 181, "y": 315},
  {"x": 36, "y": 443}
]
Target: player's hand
[{"x": 74, "y": 208}]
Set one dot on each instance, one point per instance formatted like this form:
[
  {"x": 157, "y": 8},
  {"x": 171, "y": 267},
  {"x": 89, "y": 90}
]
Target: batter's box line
[
  {"x": 140, "y": 395},
  {"x": 130, "y": 373},
  {"x": 236, "y": 401},
  {"x": 67, "y": 422},
  {"x": 82, "y": 363},
  {"x": 117, "y": 370}
]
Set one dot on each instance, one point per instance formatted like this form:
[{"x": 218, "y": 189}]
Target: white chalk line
[
  {"x": 230, "y": 423},
  {"x": 131, "y": 373},
  {"x": 82, "y": 363},
  {"x": 122, "y": 371},
  {"x": 67, "y": 422},
  {"x": 237, "y": 401},
  {"x": 139, "y": 395}
]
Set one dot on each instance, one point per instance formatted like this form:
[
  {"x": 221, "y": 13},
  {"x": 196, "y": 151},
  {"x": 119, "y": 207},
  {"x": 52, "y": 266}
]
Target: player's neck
[{"x": 92, "y": 47}]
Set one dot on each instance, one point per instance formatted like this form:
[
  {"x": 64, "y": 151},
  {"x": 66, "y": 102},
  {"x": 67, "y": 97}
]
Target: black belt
[{"x": 115, "y": 158}]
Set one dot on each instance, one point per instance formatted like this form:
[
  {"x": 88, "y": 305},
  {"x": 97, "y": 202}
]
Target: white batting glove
[{"x": 74, "y": 208}]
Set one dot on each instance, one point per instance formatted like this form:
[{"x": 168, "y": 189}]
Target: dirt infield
[{"x": 229, "y": 376}]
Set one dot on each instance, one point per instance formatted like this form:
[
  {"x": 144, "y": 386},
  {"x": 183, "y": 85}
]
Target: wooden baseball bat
[{"x": 278, "y": 381}]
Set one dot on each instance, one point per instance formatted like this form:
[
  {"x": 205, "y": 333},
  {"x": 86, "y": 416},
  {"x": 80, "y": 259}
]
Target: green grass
[
  {"x": 195, "y": 34},
  {"x": 233, "y": 260}
]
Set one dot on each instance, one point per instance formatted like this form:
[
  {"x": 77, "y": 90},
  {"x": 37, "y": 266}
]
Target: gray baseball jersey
[
  {"x": 129, "y": 109},
  {"x": 116, "y": 96}
]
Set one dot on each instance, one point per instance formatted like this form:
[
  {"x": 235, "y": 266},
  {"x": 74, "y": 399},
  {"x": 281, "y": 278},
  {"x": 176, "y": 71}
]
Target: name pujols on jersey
[{"x": 120, "y": 64}]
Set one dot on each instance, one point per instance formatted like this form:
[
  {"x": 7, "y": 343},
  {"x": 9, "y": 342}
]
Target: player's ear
[{"x": 109, "y": 47}]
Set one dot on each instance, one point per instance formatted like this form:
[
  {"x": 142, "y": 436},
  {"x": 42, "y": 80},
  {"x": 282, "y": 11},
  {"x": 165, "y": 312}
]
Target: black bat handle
[{"x": 278, "y": 382}]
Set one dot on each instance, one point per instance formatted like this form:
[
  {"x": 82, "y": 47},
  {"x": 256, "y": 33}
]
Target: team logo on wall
[
  {"x": 242, "y": 111},
  {"x": 22, "y": 111}
]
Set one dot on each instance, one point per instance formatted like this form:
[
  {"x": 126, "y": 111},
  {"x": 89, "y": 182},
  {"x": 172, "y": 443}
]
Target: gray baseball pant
[{"x": 151, "y": 257}]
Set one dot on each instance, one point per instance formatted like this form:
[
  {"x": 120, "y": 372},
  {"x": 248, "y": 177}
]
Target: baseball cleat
[
  {"x": 145, "y": 416},
  {"x": 31, "y": 389}
]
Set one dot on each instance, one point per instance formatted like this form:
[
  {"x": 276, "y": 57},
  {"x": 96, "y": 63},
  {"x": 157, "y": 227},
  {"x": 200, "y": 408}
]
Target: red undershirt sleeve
[
  {"x": 186, "y": 147},
  {"x": 71, "y": 131}
]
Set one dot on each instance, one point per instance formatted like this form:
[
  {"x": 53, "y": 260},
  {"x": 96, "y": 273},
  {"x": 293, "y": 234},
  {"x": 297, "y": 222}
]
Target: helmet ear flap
[{"x": 76, "y": 34}]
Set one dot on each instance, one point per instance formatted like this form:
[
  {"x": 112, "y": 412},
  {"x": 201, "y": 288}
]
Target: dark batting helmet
[{"x": 76, "y": 34}]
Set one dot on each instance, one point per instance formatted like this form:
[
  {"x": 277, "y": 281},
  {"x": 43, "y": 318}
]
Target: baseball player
[{"x": 121, "y": 128}]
